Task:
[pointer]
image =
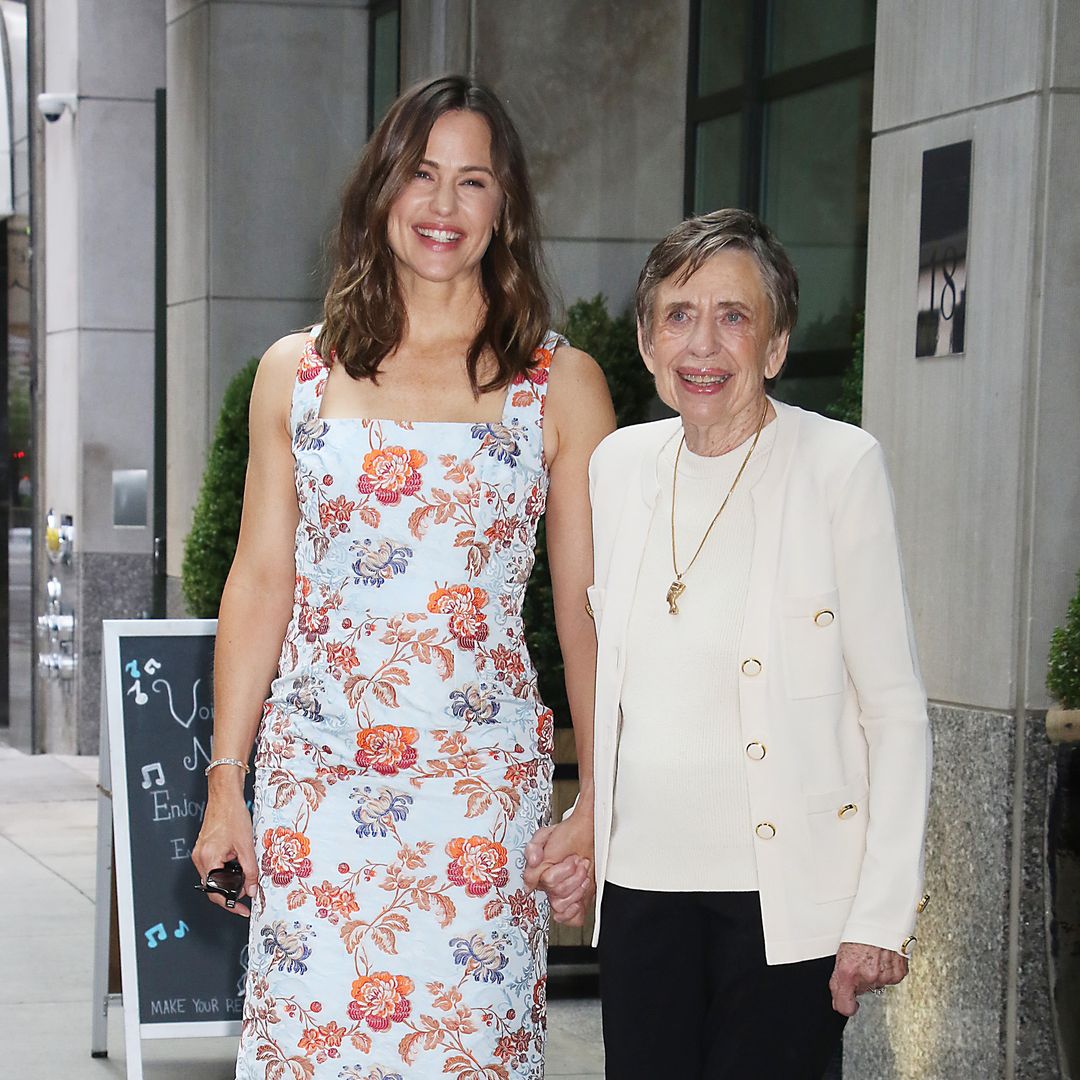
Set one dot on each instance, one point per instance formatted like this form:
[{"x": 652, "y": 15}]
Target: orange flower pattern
[
  {"x": 465, "y": 606},
  {"x": 477, "y": 863},
  {"x": 404, "y": 756},
  {"x": 386, "y": 749},
  {"x": 391, "y": 472},
  {"x": 381, "y": 999},
  {"x": 285, "y": 855}
]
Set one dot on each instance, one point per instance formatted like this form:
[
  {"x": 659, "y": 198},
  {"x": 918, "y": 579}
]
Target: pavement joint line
[
  {"x": 46, "y": 866},
  {"x": 50, "y": 802},
  {"x": 76, "y": 770}
]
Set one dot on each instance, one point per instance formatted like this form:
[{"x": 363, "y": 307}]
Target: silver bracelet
[{"x": 226, "y": 761}]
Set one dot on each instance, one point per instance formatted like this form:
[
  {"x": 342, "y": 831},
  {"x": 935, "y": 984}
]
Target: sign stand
[
  {"x": 99, "y": 1043},
  {"x": 182, "y": 959}
]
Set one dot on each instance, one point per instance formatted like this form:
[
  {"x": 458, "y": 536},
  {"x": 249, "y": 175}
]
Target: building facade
[{"x": 180, "y": 217}]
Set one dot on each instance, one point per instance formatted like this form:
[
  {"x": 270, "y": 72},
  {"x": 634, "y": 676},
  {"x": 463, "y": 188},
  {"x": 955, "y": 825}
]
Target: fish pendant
[{"x": 675, "y": 590}]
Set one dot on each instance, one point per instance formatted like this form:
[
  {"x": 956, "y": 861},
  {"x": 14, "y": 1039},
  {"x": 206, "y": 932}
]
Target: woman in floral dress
[{"x": 404, "y": 757}]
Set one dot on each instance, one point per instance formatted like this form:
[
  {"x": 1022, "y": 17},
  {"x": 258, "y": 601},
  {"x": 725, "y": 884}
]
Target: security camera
[{"x": 52, "y": 106}]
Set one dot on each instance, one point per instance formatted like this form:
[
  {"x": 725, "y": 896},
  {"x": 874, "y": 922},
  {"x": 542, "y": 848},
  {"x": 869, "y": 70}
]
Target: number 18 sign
[{"x": 943, "y": 234}]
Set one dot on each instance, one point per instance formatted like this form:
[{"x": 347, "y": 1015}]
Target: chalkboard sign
[{"x": 183, "y": 959}]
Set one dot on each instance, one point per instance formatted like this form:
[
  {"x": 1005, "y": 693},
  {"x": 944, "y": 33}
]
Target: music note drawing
[
  {"x": 181, "y": 930},
  {"x": 159, "y": 777},
  {"x": 152, "y": 666},
  {"x": 141, "y": 697},
  {"x": 132, "y": 668},
  {"x": 155, "y": 934}
]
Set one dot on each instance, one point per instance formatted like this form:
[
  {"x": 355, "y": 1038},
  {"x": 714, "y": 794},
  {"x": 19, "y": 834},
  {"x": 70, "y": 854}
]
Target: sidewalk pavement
[{"x": 48, "y": 825}]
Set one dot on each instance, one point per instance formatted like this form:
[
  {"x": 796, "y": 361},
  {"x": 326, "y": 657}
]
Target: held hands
[
  {"x": 860, "y": 968},
  {"x": 559, "y": 861},
  {"x": 226, "y": 834}
]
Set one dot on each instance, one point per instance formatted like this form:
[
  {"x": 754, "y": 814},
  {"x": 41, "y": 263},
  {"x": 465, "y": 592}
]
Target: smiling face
[
  {"x": 442, "y": 220},
  {"x": 713, "y": 346}
]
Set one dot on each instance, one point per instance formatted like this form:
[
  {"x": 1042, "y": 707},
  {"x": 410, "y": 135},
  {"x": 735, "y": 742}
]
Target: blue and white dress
[{"x": 404, "y": 757}]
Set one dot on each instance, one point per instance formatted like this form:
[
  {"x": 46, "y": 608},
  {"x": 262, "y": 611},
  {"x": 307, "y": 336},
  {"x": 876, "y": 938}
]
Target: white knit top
[{"x": 681, "y": 815}]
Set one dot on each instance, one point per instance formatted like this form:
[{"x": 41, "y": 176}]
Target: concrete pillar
[
  {"x": 267, "y": 112},
  {"x": 598, "y": 91},
  {"x": 99, "y": 317},
  {"x": 437, "y": 38},
  {"x": 983, "y": 450}
]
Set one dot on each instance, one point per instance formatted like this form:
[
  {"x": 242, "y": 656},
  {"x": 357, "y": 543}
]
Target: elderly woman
[{"x": 762, "y": 756}]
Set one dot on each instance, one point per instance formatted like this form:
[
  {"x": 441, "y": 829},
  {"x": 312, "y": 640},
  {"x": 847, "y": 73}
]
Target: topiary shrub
[
  {"x": 211, "y": 544},
  {"x": 1063, "y": 672},
  {"x": 612, "y": 342},
  {"x": 848, "y": 406}
]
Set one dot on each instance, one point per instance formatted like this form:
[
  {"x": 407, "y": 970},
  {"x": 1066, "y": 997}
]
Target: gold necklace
[{"x": 678, "y": 587}]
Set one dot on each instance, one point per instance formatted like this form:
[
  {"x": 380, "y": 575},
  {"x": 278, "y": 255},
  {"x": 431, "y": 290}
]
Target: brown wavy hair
[{"x": 364, "y": 315}]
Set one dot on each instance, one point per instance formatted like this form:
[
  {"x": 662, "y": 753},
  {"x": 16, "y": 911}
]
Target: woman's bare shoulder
[
  {"x": 272, "y": 393},
  {"x": 576, "y": 379},
  {"x": 579, "y": 412},
  {"x": 283, "y": 357},
  {"x": 570, "y": 363}
]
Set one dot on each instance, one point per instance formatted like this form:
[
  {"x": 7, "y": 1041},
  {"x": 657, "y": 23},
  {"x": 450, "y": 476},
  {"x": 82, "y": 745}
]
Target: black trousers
[{"x": 686, "y": 992}]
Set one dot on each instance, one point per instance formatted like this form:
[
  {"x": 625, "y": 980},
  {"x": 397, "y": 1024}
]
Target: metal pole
[
  {"x": 99, "y": 993},
  {"x": 161, "y": 396},
  {"x": 36, "y": 126}
]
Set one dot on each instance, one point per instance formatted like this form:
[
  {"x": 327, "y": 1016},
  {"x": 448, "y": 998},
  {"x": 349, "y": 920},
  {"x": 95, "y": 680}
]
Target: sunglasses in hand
[{"x": 227, "y": 881}]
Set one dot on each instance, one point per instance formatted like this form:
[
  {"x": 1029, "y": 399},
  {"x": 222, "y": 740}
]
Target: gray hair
[{"x": 696, "y": 240}]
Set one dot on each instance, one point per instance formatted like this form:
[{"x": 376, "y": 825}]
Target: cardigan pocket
[
  {"x": 813, "y": 652},
  {"x": 838, "y": 821}
]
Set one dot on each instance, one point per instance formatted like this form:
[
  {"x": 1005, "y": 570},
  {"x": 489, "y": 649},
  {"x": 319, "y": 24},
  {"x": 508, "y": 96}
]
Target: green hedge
[
  {"x": 612, "y": 341},
  {"x": 209, "y": 549},
  {"x": 211, "y": 544},
  {"x": 1063, "y": 674},
  {"x": 848, "y": 406}
]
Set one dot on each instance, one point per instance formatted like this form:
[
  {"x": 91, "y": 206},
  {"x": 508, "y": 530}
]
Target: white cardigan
[{"x": 829, "y": 689}]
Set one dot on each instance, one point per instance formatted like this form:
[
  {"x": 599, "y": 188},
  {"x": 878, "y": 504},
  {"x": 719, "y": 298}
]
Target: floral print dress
[{"x": 404, "y": 757}]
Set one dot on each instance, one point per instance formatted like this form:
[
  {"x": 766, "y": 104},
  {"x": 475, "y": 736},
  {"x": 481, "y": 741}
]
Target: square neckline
[{"x": 401, "y": 422}]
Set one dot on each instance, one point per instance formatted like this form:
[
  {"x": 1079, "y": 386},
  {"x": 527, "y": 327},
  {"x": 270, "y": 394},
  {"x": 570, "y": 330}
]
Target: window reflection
[
  {"x": 718, "y": 161},
  {"x": 722, "y": 45},
  {"x": 802, "y": 31},
  {"x": 778, "y": 122},
  {"x": 384, "y": 67},
  {"x": 815, "y": 194}
]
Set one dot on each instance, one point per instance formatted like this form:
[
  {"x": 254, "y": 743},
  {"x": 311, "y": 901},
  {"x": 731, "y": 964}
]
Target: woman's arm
[
  {"x": 578, "y": 414},
  {"x": 879, "y": 653},
  {"x": 255, "y": 609}
]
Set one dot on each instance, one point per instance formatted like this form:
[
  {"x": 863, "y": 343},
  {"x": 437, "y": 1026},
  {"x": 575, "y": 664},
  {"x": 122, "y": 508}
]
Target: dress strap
[
  {"x": 311, "y": 375},
  {"x": 528, "y": 392}
]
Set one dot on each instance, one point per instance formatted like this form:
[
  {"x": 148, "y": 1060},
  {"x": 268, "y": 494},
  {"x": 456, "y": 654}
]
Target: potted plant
[{"x": 1063, "y": 676}]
